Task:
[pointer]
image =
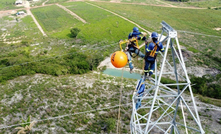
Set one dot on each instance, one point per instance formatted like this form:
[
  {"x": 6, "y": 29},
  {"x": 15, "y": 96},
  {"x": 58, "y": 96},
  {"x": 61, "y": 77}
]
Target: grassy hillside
[
  {"x": 18, "y": 36},
  {"x": 7, "y": 4},
  {"x": 76, "y": 103},
  {"x": 22, "y": 28},
  {"x": 205, "y": 3},
  {"x": 44, "y": 96}
]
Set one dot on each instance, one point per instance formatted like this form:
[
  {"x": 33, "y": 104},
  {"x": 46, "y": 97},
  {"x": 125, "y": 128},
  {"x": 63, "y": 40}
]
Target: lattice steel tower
[{"x": 165, "y": 109}]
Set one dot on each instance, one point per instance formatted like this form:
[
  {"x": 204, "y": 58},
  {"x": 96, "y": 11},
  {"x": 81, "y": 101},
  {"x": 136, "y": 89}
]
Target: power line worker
[
  {"x": 132, "y": 46},
  {"x": 151, "y": 53},
  {"x": 140, "y": 89}
]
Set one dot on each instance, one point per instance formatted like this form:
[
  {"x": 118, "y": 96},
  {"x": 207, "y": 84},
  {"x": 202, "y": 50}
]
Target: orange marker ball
[{"x": 119, "y": 59}]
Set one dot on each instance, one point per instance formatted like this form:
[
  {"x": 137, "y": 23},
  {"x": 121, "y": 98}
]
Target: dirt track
[
  {"x": 27, "y": 6},
  {"x": 36, "y": 22},
  {"x": 72, "y": 13},
  {"x": 45, "y": 2}
]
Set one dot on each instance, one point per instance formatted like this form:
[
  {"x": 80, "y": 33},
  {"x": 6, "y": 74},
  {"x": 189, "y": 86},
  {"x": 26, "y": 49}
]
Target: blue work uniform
[
  {"x": 151, "y": 54},
  {"x": 133, "y": 49},
  {"x": 140, "y": 87}
]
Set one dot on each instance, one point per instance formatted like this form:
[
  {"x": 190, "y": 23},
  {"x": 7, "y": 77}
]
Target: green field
[
  {"x": 190, "y": 3},
  {"x": 55, "y": 20},
  {"x": 55, "y": 1},
  {"x": 102, "y": 25},
  {"x": 143, "y": 1},
  {"x": 204, "y": 3},
  {"x": 202, "y": 21},
  {"x": 30, "y": 27},
  {"x": 148, "y": 2},
  {"x": 7, "y": 4}
]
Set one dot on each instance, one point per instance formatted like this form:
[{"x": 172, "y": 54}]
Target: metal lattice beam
[{"x": 160, "y": 104}]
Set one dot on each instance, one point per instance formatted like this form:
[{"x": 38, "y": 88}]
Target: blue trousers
[
  {"x": 136, "y": 51},
  {"x": 149, "y": 67},
  {"x": 138, "y": 104}
]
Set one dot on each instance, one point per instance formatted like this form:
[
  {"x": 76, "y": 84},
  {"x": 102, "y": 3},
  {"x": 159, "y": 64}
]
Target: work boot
[
  {"x": 144, "y": 77},
  {"x": 149, "y": 77}
]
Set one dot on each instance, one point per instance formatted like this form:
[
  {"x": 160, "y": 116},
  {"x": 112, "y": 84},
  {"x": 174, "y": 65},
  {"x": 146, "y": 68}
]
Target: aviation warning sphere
[{"x": 119, "y": 59}]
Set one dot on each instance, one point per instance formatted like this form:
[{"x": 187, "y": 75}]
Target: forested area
[
  {"x": 73, "y": 63},
  {"x": 207, "y": 85}
]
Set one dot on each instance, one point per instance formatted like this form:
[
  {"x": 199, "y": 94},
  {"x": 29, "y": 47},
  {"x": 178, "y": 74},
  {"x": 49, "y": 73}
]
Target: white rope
[
  {"x": 118, "y": 122},
  {"x": 62, "y": 116}
]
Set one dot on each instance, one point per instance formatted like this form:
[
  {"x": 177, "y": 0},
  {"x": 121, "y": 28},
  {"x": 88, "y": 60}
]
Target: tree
[{"x": 74, "y": 32}]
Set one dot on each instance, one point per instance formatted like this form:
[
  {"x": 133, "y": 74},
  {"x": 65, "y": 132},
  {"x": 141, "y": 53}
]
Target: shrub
[
  {"x": 111, "y": 122},
  {"x": 74, "y": 32},
  {"x": 24, "y": 43}
]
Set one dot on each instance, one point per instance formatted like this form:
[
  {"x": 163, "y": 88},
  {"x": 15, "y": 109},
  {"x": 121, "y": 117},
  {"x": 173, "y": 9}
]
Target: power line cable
[
  {"x": 199, "y": 33},
  {"x": 62, "y": 116}
]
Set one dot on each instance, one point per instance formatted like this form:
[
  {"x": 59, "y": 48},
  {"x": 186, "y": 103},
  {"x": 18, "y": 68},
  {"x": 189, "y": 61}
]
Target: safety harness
[
  {"x": 132, "y": 44},
  {"x": 153, "y": 52}
]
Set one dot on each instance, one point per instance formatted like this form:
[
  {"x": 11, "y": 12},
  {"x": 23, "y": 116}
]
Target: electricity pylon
[{"x": 165, "y": 109}]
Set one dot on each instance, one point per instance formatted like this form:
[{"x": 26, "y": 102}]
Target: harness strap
[
  {"x": 152, "y": 53},
  {"x": 130, "y": 52}
]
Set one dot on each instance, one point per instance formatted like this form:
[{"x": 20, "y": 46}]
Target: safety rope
[
  {"x": 144, "y": 58},
  {"x": 118, "y": 122},
  {"x": 62, "y": 116}
]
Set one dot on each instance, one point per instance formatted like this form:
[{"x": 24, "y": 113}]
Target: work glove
[
  {"x": 148, "y": 40},
  {"x": 126, "y": 48},
  {"x": 144, "y": 34},
  {"x": 120, "y": 41}
]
